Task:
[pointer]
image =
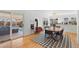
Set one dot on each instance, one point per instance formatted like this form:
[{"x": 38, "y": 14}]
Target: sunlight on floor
[{"x": 12, "y": 44}]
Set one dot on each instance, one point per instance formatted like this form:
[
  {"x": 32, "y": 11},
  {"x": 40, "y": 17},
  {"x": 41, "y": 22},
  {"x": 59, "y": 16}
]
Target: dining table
[
  {"x": 54, "y": 29},
  {"x": 51, "y": 31}
]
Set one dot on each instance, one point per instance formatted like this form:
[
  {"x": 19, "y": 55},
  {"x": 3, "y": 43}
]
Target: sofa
[{"x": 4, "y": 30}]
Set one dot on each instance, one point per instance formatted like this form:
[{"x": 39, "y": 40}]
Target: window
[{"x": 66, "y": 20}]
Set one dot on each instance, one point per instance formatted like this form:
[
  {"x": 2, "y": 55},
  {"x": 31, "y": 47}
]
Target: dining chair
[
  {"x": 48, "y": 34},
  {"x": 58, "y": 35}
]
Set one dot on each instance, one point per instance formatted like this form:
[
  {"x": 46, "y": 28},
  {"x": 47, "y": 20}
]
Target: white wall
[
  {"x": 67, "y": 28},
  {"x": 78, "y": 28},
  {"x": 30, "y": 15},
  {"x": 61, "y": 17}
]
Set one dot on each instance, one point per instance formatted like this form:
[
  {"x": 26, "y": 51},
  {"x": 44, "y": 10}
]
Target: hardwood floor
[
  {"x": 27, "y": 42},
  {"x": 73, "y": 38}
]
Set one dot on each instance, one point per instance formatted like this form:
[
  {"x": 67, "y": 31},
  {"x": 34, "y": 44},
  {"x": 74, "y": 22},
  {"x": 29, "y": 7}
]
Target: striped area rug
[{"x": 50, "y": 43}]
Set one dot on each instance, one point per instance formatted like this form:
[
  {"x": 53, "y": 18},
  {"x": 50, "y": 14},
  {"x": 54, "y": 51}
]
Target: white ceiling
[
  {"x": 58, "y": 12},
  {"x": 47, "y": 11}
]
